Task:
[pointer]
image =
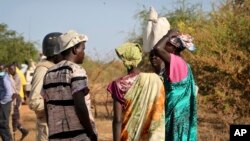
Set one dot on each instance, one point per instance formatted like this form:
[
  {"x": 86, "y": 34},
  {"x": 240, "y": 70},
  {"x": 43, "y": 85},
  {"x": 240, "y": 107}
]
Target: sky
[{"x": 107, "y": 23}]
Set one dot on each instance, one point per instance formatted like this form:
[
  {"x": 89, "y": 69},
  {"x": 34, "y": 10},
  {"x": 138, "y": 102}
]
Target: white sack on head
[{"x": 155, "y": 30}]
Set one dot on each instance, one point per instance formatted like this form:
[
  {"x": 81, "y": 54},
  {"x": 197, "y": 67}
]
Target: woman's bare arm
[
  {"x": 160, "y": 51},
  {"x": 117, "y": 121}
]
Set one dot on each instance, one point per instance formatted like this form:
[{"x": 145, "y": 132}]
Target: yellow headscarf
[{"x": 130, "y": 54}]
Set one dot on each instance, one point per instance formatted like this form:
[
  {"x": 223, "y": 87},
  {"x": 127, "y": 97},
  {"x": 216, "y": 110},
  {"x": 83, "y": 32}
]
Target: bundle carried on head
[{"x": 156, "y": 29}]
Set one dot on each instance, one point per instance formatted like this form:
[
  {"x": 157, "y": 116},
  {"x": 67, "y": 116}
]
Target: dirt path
[{"x": 28, "y": 120}]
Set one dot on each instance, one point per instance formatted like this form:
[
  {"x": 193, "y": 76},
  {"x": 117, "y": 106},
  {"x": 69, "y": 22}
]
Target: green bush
[{"x": 14, "y": 48}]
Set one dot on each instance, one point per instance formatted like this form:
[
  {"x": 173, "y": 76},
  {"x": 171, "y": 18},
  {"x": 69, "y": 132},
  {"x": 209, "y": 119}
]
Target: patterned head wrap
[
  {"x": 183, "y": 41},
  {"x": 130, "y": 54}
]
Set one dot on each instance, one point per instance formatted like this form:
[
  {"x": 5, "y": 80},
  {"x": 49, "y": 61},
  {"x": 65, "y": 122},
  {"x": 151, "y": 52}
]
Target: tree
[{"x": 14, "y": 48}]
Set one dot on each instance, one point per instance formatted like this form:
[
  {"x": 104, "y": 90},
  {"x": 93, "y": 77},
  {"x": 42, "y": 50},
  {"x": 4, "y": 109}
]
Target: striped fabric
[{"x": 60, "y": 83}]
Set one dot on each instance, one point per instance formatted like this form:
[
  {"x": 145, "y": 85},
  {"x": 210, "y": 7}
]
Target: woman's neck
[
  {"x": 158, "y": 70},
  {"x": 133, "y": 70}
]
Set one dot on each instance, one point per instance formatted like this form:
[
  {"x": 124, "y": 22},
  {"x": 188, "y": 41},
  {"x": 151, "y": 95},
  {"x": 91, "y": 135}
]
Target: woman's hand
[{"x": 172, "y": 33}]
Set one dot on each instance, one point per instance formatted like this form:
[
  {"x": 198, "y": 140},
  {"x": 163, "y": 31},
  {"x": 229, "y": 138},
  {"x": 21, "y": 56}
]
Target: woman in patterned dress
[{"x": 138, "y": 100}]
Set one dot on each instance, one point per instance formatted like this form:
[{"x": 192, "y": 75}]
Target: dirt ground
[{"x": 28, "y": 120}]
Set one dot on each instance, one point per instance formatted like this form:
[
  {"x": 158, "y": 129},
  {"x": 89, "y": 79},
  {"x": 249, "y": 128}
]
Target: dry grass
[{"x": 214, "y": 124}]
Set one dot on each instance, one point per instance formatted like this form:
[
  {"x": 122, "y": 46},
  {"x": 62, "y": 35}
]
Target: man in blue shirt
[{"x": 5, "y": 104}]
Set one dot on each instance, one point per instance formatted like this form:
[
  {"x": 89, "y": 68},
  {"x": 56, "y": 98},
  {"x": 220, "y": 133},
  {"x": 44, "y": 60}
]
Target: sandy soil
[{"x": 104, "y": 126}]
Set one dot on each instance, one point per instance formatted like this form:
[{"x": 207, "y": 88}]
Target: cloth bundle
[{"x": 156, "y": 29}]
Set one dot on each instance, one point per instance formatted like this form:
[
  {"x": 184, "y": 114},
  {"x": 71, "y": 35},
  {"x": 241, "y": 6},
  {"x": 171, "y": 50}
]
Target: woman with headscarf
[
  {"x": 181, "y": 111},
  {"x": 138, "y": 100}
]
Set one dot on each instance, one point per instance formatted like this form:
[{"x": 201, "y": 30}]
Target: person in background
[
  {"x": 181, "y": 110},
  {"x": 17, "y": 101},
  {"x": 157, "y": 64},
  {"x": 22, "y": 81},
  {"x": 29, "y": 75},
  {"x": 50, "y": 47},
  {"x": 138, "y": 100},
  {"x": 5, "y": 104},
  {"x": 41, "y": 57},
  {"x": 64, "y": 90},
  {"x": 24, "y": 67}
]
